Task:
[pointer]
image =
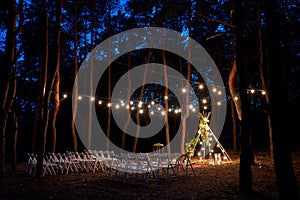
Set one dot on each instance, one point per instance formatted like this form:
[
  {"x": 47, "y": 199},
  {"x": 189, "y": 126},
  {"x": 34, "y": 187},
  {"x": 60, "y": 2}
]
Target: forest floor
[{"x": 210, "y": 182}]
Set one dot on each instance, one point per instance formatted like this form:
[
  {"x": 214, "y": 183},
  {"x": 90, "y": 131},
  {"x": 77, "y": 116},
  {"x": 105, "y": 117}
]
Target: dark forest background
[{"x": 255, "y": 45}]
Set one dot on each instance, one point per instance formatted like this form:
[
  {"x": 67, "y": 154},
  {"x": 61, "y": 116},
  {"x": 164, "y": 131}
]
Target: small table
[{"x": 158, "y": 147}]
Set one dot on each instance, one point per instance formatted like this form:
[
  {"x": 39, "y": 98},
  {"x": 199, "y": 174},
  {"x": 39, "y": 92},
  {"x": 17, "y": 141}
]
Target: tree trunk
[
  {"x": 187, "y": 87},
  {"x": 234, "y": 134},
  {"x": 15, "y": 141},
  {"x": 285, "y": 177},
  {"x": 56, "y": 77},
  {"x": 14, "y": 118},
  {"x": 75, "y": 97},
  {"x": 235, "y": 100},
  {"x": 231, "y": 83},
  {"x": 54, "y": 111},
  {"x": 43, "y": 105},
  {"x": 91, "y": 102},
  {"x": 135, "y": 142},
  {"x": 245, "y": 173},
  {"x": 109, "y": 82},
  {"x": 262, "y": 77},
  {"x": 5, "y": 71},
  {"x": 128, "y": 96},
  {"x": 187, "y": 109},
  {"x": 166, "y": 96}
]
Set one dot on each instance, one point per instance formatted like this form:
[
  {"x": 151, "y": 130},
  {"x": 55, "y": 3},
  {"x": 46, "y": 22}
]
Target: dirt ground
[{"x": 209, "y": 182}]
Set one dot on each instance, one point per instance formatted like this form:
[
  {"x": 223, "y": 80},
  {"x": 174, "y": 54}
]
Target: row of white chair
[
  {"x": 69, "y": 162},
  {"x": 146, "y": 166},
  {"x": 140, "y": 166}
]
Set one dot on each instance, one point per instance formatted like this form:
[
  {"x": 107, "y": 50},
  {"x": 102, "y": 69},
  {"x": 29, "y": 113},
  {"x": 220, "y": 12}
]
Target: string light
[{"x": 140, "y": 104}]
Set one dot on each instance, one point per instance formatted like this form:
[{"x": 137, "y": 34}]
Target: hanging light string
[{"x": 135, "y": 105}]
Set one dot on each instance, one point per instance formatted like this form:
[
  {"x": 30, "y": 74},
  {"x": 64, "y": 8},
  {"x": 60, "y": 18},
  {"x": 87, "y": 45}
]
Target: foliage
[{"x": 201, "y": 135}]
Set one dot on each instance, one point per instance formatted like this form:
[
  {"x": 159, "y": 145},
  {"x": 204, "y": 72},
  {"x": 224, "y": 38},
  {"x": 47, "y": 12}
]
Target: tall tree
[
  {"x": 75, "y": 52},
  {"x": 285, "y": 177},
  {"x": 56, "y": 77},
  {"x": 109, "y": 76},
  {"x": 43, "y": 109},
  {"x": 91, "y": 102},
  {"x": 245, "y": 173},
  {"x": 262, "y": 73},
  {"x": 6, "y": 73},
  {"x": 48, "y": 78}
]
